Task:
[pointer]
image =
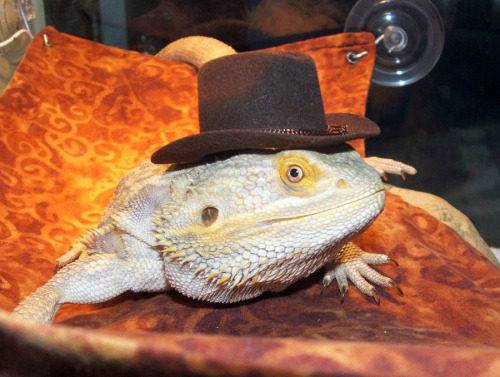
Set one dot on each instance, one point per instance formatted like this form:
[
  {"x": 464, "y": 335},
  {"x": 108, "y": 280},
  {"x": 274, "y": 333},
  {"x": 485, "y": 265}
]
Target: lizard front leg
[
  {"x": 90, "y": 280},
  {"x": 352, "y": 263},
  {"x": 96, "y": 278}
]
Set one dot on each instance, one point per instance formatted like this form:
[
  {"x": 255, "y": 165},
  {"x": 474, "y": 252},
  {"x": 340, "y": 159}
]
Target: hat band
[{"x": 332, "y": 130}]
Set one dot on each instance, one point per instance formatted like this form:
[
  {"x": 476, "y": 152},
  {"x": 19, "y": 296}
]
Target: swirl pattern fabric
[{"x": 77, "y": 116}]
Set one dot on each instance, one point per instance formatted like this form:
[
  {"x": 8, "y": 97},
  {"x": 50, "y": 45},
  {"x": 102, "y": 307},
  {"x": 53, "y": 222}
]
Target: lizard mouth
[{"x": 305, "y": 215}]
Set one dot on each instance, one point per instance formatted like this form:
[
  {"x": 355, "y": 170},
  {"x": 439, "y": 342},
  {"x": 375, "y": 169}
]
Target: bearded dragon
[{"x": 227, "y": 230}]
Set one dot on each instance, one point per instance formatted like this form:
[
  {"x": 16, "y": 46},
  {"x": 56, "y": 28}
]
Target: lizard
[{"x": 227, "y": 230}]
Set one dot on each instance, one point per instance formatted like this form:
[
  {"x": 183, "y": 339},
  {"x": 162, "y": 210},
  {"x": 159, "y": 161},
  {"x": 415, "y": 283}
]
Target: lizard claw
[
  {"x": 376, "y": 296},
  {"x": 323, "y": 289},
  {"x": 343, "y": 293},
  {"x": 393, "y": 262},
  {"x": 393, "y": 284}
]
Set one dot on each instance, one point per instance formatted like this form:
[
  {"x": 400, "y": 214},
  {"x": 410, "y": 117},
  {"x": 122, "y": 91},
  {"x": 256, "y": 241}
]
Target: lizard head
[{"x": 247, "y": 217}]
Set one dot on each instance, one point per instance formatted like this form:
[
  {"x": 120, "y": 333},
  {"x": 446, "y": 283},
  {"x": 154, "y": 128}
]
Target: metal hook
[
  {"x": 46, "y": 42},
  {"x": 353, "y": 57},
  {"x": 379, "y": 39}
]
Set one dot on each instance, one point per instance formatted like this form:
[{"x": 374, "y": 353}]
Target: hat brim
[{"x": 194, "y": 148}]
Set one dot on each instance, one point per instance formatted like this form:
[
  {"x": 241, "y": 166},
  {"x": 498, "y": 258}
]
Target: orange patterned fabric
[{"x": 79, "y": 115}]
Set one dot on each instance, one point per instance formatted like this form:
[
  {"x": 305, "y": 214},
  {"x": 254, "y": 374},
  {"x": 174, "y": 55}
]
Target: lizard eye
[
  {"x": 294, "y": 173},
  {"x": 209, "y": 215}
]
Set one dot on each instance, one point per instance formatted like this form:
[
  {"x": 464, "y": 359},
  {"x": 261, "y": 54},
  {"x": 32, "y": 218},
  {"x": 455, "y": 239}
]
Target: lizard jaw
[{"x": 281, "y": 219}]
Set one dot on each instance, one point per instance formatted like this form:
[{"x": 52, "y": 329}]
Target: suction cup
[
  {"x": 409, "y": 36},
  {"x": 15, "y": 15}
]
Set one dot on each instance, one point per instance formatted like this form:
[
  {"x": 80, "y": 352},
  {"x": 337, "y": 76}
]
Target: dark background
[{"x": 447, "y": 125}]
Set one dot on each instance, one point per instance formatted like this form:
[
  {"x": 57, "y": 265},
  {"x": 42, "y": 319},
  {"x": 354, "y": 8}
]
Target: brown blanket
[{"x": 78, "y": 115}]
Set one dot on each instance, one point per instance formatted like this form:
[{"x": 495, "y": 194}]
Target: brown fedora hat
[{"x": 262, "y": 100}]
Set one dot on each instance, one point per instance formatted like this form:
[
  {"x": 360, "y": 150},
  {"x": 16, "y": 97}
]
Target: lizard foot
[
  {"x": 386, "y": 165},
  {"x": 72, "y": 255},
  {"x": 352, "y": 263}
]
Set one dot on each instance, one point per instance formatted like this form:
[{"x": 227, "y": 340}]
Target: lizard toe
[{"x": 338, "y": 273}]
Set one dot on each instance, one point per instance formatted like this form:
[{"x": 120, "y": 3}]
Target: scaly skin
[{"x": 223, "y": 231}]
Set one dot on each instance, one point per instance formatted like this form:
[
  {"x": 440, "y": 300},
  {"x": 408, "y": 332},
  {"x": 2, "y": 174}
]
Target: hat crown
[
  {"x": 262, "y": 100},
  {"x": 260, "y": 90}
]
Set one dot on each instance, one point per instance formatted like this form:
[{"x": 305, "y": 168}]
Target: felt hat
[{"x": 262, "y": 100}]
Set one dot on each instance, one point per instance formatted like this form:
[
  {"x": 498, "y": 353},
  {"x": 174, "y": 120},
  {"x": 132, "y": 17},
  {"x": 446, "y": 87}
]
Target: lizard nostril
[
  {"x": 209, "y": 215},
  {"x": 341, "y": 184}
]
